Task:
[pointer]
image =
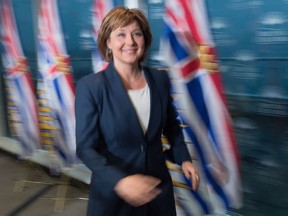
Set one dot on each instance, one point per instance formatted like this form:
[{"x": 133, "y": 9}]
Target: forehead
[{"x": 130, "y": 26}]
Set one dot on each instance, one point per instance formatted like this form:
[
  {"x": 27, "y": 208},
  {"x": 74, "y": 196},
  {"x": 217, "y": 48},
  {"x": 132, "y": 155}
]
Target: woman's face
[{"x": 127, "y": 44}]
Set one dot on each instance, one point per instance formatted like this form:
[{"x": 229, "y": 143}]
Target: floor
[
  {"x": 30, "y": 190},
  {"x": 27, "y": 189}
]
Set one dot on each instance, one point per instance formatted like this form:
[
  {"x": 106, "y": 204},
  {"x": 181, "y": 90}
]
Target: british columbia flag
[
  {"x": 22, "y": 104},
  {"x": 100, "y": 9},
  {"x": 190, "y": 54},
  {"x": 55, "y": 84}
]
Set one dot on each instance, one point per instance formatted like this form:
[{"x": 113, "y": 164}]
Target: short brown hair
[{"x": 119, "y": 17}]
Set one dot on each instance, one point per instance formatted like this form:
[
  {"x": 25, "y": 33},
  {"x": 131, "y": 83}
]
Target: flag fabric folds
[
  {"x": 189, "y": 52},
  {"x": 22, "y": 105},
  {"x": 100, "y": 9},
  {"x": 55, "y": 84}
]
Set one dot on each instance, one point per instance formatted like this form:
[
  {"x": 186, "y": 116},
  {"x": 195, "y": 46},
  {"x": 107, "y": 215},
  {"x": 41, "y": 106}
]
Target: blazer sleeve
[
  {"x": 89, "y": 139},
  {"x": 172, "y": 130}
]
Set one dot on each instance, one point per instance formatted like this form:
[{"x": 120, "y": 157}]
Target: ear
[{"x": 108, "y": 43}]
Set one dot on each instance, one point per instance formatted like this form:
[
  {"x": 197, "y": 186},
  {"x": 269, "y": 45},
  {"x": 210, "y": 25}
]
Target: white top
[{"x": 140, "y": 99}]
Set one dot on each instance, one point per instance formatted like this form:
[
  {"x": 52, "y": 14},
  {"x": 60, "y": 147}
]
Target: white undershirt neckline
[{"x": 140, "y": 99}]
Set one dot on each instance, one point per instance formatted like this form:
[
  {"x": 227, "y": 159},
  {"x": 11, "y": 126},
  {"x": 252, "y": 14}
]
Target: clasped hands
[{"x": 139, "y": 189}]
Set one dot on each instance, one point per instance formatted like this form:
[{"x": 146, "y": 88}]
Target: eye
[
  {"x": 137, "y": 34},
  {"x": 121, "y": 35}
]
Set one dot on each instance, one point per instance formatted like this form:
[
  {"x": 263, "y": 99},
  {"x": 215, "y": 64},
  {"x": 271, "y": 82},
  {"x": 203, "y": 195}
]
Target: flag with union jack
[
  {"x": 22, "y": 104},
  {"x": 55, "y": 84},
  {"x": 100, "y": 9},
  {"x": 189, "y": 52}
]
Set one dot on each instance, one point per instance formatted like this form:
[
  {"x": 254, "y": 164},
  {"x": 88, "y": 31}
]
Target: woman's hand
[
  {"x": 138, "y": 189},
  {"x": 191, "y": 173}
]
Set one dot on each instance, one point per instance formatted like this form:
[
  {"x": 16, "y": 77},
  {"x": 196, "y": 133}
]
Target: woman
[{"x": 121, "y": 114}]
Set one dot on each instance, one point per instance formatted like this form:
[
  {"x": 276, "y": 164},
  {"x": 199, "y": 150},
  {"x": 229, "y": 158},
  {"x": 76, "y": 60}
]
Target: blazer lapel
[
  {"x": 156, "y": 105},
  {"x": 121, "y": 98}
]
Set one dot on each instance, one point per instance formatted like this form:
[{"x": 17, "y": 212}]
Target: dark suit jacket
[{"x": 111, "y": 143}]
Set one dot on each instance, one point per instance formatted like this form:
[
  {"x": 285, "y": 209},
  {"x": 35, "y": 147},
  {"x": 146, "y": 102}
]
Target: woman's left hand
[{"x": 191, "y": 173}]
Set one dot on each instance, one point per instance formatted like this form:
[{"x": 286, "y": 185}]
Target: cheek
[
  {"x": 141, "y": 43},
  {"x": 117, "y": 43}
]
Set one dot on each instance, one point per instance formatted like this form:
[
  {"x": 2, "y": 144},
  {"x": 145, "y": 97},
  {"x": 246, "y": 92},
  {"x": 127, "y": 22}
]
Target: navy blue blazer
[{"x": 111, "y": 143}]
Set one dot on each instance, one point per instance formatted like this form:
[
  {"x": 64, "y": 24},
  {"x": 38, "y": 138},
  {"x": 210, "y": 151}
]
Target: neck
[
  {"x": 131, "y": 76},
  {"x": 127, "y": 69}
]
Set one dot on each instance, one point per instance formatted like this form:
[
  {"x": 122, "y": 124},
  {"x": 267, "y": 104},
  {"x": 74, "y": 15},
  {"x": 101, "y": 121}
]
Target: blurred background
[{"x": 251, "y": 38}]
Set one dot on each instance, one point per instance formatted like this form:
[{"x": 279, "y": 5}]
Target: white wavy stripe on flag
[
  {"x": 57, "y": 33},
  {"x": 210, "y": 153},
  {"x": 184, "y": 38},
  {"x": 43, "y": 27},
  {"x": 66, "y": 110},
  {"x": 61, "y": 144},
  {"x": 199, "y": 15},
  {"x": 22, "y": 131},
  {"x": 219, "y": 116},
  {"x": 49, "y": 27},
  {"x": 28, "y": 106},
  {"x": 46, "y": 59},
  {"x": 58, "y": 93},
  {"x": 64, "y": 123},
  {"x": 61, "y": 137}
]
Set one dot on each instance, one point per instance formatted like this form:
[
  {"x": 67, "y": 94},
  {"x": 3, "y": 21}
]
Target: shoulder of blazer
[
  {"x": 94, "y": 82},
  {"x": 160, "y": 77},
  {"x": 92, "y": 87}
]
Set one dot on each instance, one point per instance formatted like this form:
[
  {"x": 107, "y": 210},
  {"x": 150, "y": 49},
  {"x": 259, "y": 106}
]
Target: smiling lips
[{"x": 130, "y": 50}]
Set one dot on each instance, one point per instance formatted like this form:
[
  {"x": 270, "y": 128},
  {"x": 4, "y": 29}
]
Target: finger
[
  {"x": 152, "y": 182},
  {"x": 155, "y": 192},
  {"x": 152, "y": 194},
  {"x": 144, "y": 198},
  {"x": 187, "y": 174},
  {"x": 196, "y": 182}
]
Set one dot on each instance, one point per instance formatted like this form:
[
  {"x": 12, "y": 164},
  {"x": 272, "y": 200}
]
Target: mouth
[{"x": 130, "y": 50}]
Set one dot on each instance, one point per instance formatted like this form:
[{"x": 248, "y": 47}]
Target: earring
[{"x": 109, "y": 51}]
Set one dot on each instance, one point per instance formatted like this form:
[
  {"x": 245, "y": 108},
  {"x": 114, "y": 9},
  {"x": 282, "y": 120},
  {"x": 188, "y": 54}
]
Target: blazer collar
[{"x": 125, "y": 105}]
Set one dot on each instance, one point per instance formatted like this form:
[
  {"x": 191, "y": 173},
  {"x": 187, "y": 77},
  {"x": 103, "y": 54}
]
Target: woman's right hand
[{"x": 138, "y": 189}]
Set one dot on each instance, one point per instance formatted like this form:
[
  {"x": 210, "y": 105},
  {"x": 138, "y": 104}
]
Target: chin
[{"x": 132, "y": 61}]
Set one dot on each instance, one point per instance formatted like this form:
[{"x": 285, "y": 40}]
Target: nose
[{"x": 130, "y": 39}]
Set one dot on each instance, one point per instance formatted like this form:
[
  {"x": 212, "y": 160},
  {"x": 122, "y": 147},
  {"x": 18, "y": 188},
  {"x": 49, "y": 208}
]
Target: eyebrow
[{"x": 122, "y": 29}]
